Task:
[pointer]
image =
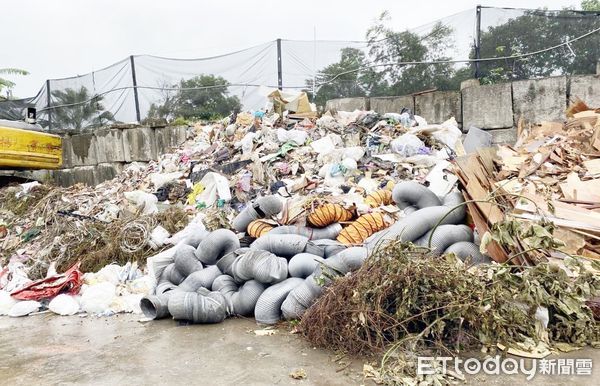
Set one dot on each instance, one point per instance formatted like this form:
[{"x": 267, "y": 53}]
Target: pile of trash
[
  {"x": 337, "y": 170},
  {"x": 536, "y": 201}
]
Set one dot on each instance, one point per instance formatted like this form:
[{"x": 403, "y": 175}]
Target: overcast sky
[{"x": 61, "y": 38}]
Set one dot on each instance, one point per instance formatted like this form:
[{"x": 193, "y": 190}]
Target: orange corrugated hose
[
  {"x": 328, "y": 214},
  {"x": 259, "y": 228},
  {"x": 363, "y": 227},
  {"x": 379, "y": 197}
]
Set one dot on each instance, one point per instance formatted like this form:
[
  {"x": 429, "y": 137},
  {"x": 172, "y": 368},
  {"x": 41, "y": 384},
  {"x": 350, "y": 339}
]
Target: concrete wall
[
  {"x": 348, "y": 104},
  {"x": 496, "y": 108},
  {"x": 438, "y": 106},
  {"x": 586, "y": 88},
  {"x": 92, "y": 158},
  {"x": 384, "y": 105}
]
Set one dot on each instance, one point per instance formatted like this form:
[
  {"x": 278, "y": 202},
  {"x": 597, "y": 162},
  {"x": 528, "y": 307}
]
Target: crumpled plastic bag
[
  {"x": 246, "y": 143},
  {"x": 70, "y": 281},
  {"x": 215, "y": 186},
  {"x": 140, "y": 198},
  {"x": 298, "y": 137},
  {"x": 158, "y": 237},
  {"x": 97, "y": 298},
  {"x": 26, "y": 188},
  {"x": 64, "y": 304},
  {"x": 24, "y": 308},
  {"x": 194, "y": 226},
  {"x": 407, "y": 145},
  {"x": 13, "y": 277},
  {"x": 448, "y": 132},
  {"x": 6, "y": 302},
  {"x": 161, "y": 179}
]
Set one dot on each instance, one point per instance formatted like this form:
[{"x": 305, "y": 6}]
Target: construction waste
[{"x": 268, "y": 216}]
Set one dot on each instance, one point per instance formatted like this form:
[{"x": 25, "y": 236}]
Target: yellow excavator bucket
[{"x": 21, "y": 147}]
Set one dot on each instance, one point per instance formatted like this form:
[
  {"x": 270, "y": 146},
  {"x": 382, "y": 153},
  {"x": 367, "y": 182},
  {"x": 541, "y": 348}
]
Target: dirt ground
[{"x": 48, "y": 349}]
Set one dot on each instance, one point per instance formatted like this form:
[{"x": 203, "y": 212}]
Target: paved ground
[{"x": 47, "y": 349}]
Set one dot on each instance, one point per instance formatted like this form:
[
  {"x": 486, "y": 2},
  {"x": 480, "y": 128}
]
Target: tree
[
  {"x": 77, "y": 109},
  {"x": 389, "y": 46},
  {"x": 590, "y": 5},
  {"x": 201, "y": 97},
  {"x": 537, "y": 30},
  {"x": 347, "y": 78},
  {"x": 6, "y": 84},
  {"x": 375, "y": 72}
]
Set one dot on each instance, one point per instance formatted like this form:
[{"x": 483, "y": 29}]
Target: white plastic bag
[
  {"x": 6, "y": 302},
  {"x": 158, "y": 237},
  {"x": 407, "y": 145},
  {"x": 140, "y": 198},
  {"x": 215, "y": 186},
  {"x": 296, "y": 136},
  {"x": 24, "y": 308},
  {"x": 161, "y": 179},
  {"x": 64, "y": 304},
  {"x": 96, "y": 299}
]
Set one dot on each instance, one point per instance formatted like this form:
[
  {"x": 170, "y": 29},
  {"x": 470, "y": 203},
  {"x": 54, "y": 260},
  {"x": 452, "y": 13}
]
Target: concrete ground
[{"x": 48, "y": 349}]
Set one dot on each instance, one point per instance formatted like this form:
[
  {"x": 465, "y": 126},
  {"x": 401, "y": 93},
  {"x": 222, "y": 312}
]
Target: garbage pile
[
  {"x": 534, "y": 210},
  {"x": 537, "y": 200},
  {"x": 333, "y": 178}
]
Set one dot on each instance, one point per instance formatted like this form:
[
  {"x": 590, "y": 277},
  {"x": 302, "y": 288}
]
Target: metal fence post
[
  {"x": 279, "y": 73},
  {"x": 478, "y": 41},
  {"x": 135, "y": 90},
  {"x": 48, "y": 101}
]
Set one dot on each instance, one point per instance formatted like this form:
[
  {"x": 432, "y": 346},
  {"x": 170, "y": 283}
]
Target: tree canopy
[
  {"x": 74, "y": 109},
  {"x": 7, "y": 85},
  {"x": 375, "y": 71},
  {"x": 201, "y": 97}
]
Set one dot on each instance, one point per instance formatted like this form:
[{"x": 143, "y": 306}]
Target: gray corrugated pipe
[
  {"x": 410, "y": 193},
  {"x": 329, "y": 232},
  {"x": 203, "y": 307},
  {"x": 195, "y": 238},
  {"x": 262, "y": 266},
  {"x": 156, "y": 306},
  {"x": 331, "y": 247},
  {"x": 303, "y": 264},
  {"x": 203, "y": 278},
  {"x": 305, "y": 295},
  {"x": 346, "y": 261},
  {"x": 216, "y": 245},
  {"x": 444, "y": 236},
  {"x": 420, "y": 222},
  {"x": 186, "y": 261},
  {"x": 164, "y": 285},
  {"x": 268, "y": 306},
  {"x": 301, "y": 298},
  {"x": 172, "y": 274},
  {"x": 242, "y": 300},
  {"x": 286, "y": 245},
  {"x": 263, "y": 207},
  {"x": 469, "y": 252}
]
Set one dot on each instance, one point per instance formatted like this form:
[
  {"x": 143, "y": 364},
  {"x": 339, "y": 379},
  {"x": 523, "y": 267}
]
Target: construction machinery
[{"x": 25, "y": 146}]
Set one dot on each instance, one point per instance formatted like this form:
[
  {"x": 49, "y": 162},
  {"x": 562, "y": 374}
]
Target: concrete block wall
[
  {"x": 348, "y": 104},
  {"x": 92, "y": 158},
  {"x": 496, "y": 107},
  {"x": 384, "y": 105},
  {"x": 540, "y": 100},
  {"x": 439, "y": 106}
]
